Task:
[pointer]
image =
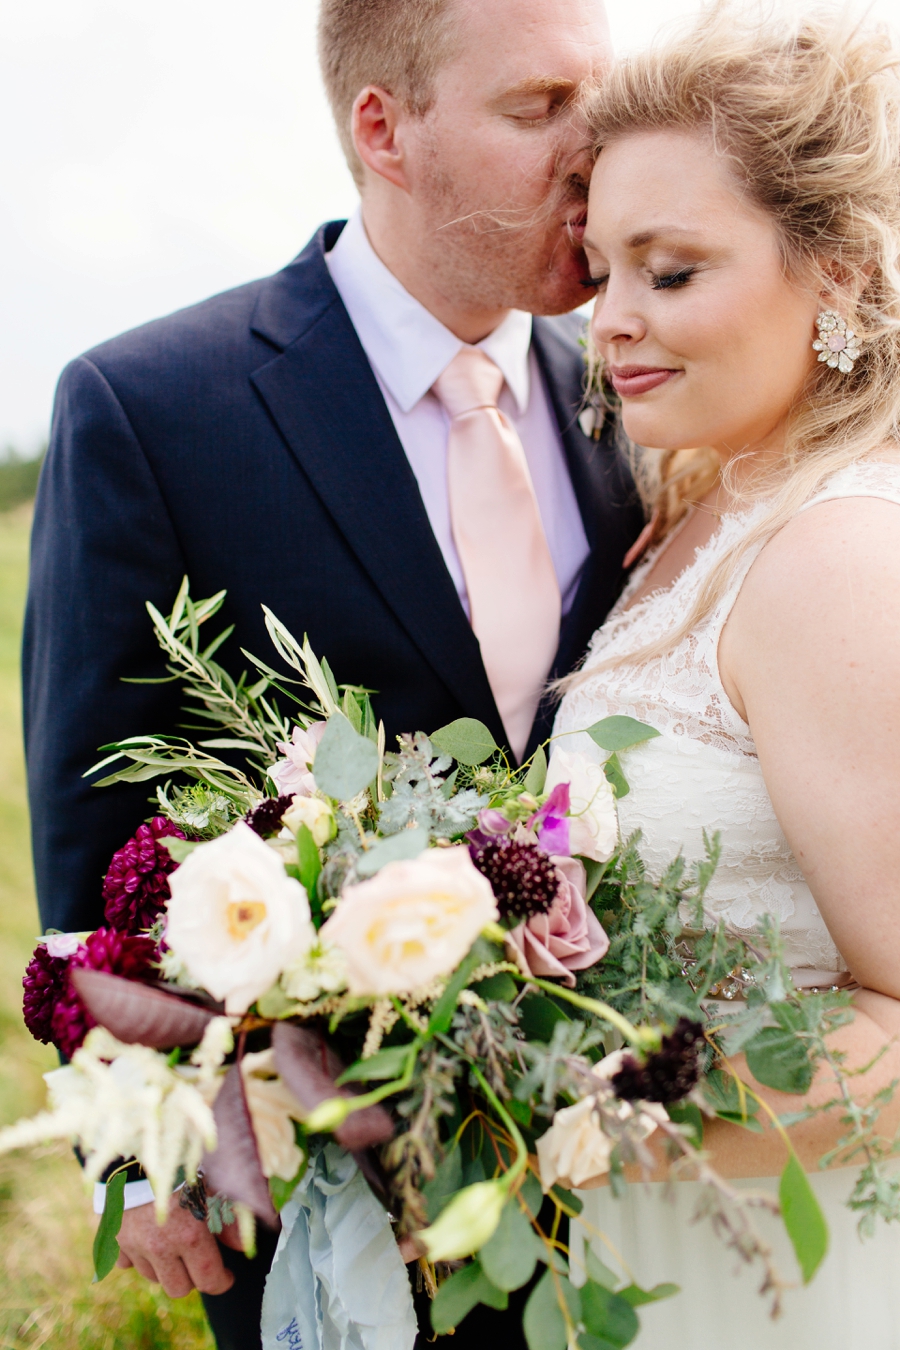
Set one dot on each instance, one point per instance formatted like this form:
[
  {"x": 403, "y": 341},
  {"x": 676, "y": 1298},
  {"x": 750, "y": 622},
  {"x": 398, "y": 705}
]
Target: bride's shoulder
[{"x": 838, "y": 555}]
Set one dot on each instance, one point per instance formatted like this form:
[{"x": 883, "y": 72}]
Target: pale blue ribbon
[{"x": 338, "y": 1281}]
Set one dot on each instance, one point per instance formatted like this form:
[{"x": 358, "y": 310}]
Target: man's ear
[{"x": 375, "y": 120}]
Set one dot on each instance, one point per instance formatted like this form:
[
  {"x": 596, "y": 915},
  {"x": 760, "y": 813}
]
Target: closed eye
[
  {"x": 594, "y": 282},
  {"x": 666, "y": 282}
]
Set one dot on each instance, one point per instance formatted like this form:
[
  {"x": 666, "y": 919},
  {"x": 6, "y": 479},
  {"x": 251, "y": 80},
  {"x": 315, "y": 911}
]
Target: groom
[{"x": 378, "y": 443}]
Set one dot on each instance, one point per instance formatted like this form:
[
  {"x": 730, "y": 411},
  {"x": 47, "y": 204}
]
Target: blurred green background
[{"x": 46, "y": 1226}]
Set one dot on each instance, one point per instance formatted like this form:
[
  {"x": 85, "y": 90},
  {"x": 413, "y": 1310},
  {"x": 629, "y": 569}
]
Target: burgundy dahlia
[
  {"x": 265, "y": 819},
  {"x": 136, "y": 887},
  {"x": 109, "y": 950},
  {"x": 522, "y": 877},
  {"x": 44, "y": 983},
  {"x": 667, "y": 1074}
]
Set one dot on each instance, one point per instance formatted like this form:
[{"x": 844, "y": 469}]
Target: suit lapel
[{"x": 325, "y": 400}]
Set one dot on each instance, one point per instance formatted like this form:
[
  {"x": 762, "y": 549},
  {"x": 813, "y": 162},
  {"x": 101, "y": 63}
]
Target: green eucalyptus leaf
[
  {"x": 457, "y": 1296},
  {"x": 345, "y": 761},
  {"x": 106, "y": 1246},
  {"x": 637, "y": 1297},
  {"x": 803, "y": 1218},
  {"x": 544, "y": 1323},
  {"x": 396, "y": 848},
  {"x": 779, "y": 1059},
  {"x": 510, "y": 1256},
  {"x": 536, "y": 776},
  {"x": 620, "y": 733},
  {"x": 385, "y": 1064},
  {"x": 615, "y": 777},
  {"x": 688, "y": 1113},
  {"x": 538, "y": 1015},
  {"x": 608, "y": 1315},
  {"x": 466, "y": 740},
  {"x": 531, "y": 1195},
  {"x": 447, "y": 1180},
  {"x": 597, "y": 1271},
  {"x": 281, "y": 1191}
]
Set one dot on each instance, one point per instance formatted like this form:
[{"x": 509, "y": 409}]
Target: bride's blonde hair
[{"x": 807, "y": 113}]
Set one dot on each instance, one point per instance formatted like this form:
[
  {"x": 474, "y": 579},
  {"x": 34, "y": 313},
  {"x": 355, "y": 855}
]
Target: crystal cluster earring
[{"x": 837, "y": 345}]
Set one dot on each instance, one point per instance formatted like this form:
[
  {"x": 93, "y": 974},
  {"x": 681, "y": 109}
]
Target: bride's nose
[{"x": 616, "y": 319}]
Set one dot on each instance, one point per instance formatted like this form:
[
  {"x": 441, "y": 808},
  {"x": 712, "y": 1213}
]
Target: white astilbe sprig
[
  {"x": 117, "y": 1101},
  {"x": 218, "y": 1041}
]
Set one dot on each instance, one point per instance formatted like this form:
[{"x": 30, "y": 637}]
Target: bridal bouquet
[{"x": 414, "y": 994}]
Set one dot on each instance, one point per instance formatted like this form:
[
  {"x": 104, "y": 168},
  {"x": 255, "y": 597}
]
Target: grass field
[{"x": 46, "y": 1228}]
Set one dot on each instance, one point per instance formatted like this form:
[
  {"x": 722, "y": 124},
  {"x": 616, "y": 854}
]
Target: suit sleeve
[{"x": 103, "y": 544}]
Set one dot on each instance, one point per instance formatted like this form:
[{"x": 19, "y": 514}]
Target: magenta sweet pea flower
[{"x": 551, "y": 822}]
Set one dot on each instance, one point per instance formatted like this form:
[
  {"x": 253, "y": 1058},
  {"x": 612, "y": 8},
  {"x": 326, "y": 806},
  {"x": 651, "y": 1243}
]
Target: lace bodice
[{"x": 703, "y": 772}]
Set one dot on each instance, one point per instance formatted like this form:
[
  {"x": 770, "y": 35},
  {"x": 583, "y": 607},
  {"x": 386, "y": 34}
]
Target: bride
[{"x": 744, "y": 233}]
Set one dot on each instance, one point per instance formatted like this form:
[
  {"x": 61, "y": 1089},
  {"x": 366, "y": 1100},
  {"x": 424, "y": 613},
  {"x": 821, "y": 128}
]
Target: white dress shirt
[{"x": 408, "y": 348}]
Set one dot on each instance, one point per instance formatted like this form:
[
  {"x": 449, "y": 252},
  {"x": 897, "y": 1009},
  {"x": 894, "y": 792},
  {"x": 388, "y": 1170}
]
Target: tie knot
[{"x": 472, "y": 380}]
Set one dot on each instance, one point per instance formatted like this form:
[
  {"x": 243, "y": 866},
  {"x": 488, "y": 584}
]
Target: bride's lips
[{"x": 630, "y": 381}]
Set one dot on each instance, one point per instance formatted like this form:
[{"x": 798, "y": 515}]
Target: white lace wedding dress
[{"x": 703, "y": 773}]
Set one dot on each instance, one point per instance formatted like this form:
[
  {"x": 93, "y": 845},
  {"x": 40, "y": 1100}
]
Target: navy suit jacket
[{"x": 245, "y": 442}]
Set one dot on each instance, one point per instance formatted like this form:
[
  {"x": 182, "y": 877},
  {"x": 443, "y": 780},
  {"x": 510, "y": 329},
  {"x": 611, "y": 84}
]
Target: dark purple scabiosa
[
  {"x": 667, "y": 1074},
  {"x": 44, "y": 984},
  {"x": 136, "y": 887},
  {"x": 265, "y": 819},
  {"x": 522, "y": 877},
  {"x": 116, "y": 953}
]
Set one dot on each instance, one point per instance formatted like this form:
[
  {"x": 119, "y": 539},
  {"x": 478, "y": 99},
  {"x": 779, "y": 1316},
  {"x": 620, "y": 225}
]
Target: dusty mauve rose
[
  {"x": 236, "y": 919},
  {"x": 593, "y": 823},
  {"x": 293, "y": 775},
  {"x": 136, "y": 887},
  {"x": 411, "y": 922},
  {"x": 569, "y": 936},
  {"x": 107, "y": 950}
]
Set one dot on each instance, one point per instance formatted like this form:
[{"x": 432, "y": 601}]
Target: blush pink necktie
[{"x": 513, "y": 592}]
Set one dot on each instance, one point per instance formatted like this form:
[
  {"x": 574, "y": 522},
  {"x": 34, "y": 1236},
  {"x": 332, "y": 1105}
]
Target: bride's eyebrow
[{"x": 645, "y": 237}]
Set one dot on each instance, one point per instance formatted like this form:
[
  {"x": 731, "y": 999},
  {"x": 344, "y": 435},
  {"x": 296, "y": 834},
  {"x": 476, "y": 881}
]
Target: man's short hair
[{"x": 398, "y": 45}]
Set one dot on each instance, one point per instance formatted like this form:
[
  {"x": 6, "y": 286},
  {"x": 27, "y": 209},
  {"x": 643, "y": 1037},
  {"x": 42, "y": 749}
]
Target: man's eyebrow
[{"x": 539, "y": 84}]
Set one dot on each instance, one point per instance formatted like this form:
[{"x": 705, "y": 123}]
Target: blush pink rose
[{"x": 569, "y": 936}]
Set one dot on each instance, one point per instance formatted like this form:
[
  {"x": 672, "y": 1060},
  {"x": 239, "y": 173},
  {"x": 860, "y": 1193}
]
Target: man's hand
[{"x": 180, "y": 1254}]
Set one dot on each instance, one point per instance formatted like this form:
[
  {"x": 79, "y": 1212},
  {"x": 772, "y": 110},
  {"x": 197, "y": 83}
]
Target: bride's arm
[{"x": 811, "y": 657}]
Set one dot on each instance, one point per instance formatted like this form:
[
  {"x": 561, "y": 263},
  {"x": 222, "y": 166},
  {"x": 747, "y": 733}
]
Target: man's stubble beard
[{"x": 501, "y": 256}]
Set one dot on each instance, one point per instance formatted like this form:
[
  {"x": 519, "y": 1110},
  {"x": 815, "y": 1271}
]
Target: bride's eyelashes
[
  {"x": 659, "y": 282},
  {"x": 670, "y": 279}
]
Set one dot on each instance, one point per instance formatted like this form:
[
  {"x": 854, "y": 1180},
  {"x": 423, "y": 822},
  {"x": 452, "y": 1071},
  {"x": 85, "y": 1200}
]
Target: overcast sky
[{"x": 156, "y": 152}]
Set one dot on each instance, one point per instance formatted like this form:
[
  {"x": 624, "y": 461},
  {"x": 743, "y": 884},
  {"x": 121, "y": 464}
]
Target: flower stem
[
  {"x": 643, "y": 1038},
  {"x": 511, "y": 1176}
]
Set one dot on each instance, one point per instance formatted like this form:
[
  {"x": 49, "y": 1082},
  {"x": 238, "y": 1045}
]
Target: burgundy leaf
[
  {"x": 235, "y": 1168},
  {"x": 138, "y": 1014},
  {"x": 309, "y": 1068}
]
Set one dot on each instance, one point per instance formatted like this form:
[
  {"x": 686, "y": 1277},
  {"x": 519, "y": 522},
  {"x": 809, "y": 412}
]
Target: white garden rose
[
  {"x": 593, "y": 824},
  {"x": 574, "y": 1151},
  {"x": 317, "y": 815},
  {"x": 411, "y": 922},
  {"x": 236, "y": 919},
  {"x": 273, "y": 1110}
]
